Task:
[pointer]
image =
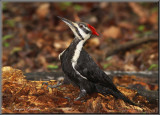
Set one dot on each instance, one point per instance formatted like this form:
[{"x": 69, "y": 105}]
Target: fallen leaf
[
  {"x": 94, "y": 42},
  {"x": 140, "y": 11},
  {"x": 126, "y": 25},
  {"x": 112, "y": 32},
  {"x": 43, "y": 10},
  {"x": 154, "y": 18}
]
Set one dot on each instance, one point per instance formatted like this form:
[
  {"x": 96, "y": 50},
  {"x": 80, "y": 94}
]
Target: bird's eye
[{"x": 81, "y": 26}]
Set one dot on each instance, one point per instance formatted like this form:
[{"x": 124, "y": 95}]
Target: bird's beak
[{"x": 68, "y": 22}]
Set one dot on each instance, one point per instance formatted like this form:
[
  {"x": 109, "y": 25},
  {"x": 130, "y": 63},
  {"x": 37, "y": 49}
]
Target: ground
[{"x": 23, "y": 96}]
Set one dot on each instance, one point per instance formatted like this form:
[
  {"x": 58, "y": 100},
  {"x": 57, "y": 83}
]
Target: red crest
[{"x": 93, "y": 30}]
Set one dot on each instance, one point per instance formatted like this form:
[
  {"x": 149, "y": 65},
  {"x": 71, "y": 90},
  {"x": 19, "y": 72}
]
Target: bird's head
[{"x": 81, "y": 30}]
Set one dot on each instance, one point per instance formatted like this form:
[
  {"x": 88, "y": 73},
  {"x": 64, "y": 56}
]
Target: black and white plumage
[{"x": 80, "y": 68}]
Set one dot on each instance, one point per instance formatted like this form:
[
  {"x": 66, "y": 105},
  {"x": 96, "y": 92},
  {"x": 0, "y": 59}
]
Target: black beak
[{"x": 68, "y": 22}]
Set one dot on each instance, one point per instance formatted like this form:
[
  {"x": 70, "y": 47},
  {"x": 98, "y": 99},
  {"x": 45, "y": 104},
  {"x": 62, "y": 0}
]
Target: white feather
[
  {"x": 61, "y": 54},
  {"x": 76, "y": 56}
]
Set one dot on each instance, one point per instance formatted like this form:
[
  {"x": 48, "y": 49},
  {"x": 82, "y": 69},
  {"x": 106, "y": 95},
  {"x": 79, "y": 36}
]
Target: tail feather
[
  {"x": 116, "y": 93},
  {"x": 119, "y": 95}
]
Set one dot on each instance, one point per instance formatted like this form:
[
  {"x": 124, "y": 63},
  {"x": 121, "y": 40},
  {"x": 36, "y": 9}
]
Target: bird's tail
[{"x": 116, "y": 93}]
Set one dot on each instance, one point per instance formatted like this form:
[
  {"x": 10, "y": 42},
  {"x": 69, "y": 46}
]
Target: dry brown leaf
[
  {"x": 140, "y": 11},
  {"x": 76, "y": 17},
  {"x": 110, "y": 105},
  {"x": 104, "y": 107},
  {"x": 127, "y": 92},
  {"x": 27, "y": 98},
  {"x": 59, "y": 44},
  {"x": 69, "y": 110},
  {"x": 40, "y": 42},
  {"x": 43, "y": 10},
  {"x": 130, "y": 67},
  {"x": 154, "y": 18},
  {"x": 7, "y": 69},
  {"x": 103, "y": 5},
  {"x": 94, "y": 42},
  {"x": 42, "y": 60},
  {"x": 126, "y": 25},
  {"x": 112, "y": 32},
  {"x": 96, "y": 104}
]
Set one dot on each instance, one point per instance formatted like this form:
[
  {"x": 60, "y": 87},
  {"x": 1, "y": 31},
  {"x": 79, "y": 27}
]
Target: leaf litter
[{"x": 24, "y": 96}]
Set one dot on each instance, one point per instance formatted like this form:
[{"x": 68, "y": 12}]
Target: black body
[{"x": 97, "y": 80}]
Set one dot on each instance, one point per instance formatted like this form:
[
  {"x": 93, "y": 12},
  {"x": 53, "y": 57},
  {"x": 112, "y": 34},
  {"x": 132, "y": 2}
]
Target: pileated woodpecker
[{"x": 80, "y": 68}]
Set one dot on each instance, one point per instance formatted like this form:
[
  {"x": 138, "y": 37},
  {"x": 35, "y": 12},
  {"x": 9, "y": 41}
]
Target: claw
[
  {"x": 77, "y": 98},
  {"x": 57, "y": 85},
  {"x": 46, "y": 83},
  {"x": 69, "y": 99},
  {"x": 52, "y": 86},
  {"x": 82, "y": 94}
]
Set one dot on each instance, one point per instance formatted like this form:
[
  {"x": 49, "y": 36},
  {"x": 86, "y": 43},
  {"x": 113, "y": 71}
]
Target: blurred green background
[{"x": 33, "y": 36}]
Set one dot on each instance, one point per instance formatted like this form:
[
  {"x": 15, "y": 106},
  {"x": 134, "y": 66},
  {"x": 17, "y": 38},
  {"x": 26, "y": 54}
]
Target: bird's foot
[
  {"x": 82, "y": 94},
  {"x": 68, "y": 98},
  {"x": 44, "y": 83},
  {"x": 52, "y": 86}
]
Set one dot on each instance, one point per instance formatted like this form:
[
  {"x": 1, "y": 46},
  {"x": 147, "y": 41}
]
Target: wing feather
[{"x": 88, "y": 68}]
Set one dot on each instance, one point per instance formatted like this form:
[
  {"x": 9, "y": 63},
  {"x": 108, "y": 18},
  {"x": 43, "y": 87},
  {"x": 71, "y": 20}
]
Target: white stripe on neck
[
  {"x": 76, "y": 56},
  {"x": 61, "y": 54}
]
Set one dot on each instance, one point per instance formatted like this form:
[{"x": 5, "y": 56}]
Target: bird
[{"x": 80, "y": 68}]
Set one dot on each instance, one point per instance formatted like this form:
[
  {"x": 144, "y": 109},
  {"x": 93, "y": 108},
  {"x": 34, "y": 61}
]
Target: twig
[
  {"x": 60, "y": 75},
  {"x": 139, "y": 73},
  {"x": 131, "y": 44}
]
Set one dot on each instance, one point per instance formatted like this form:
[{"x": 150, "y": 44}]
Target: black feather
[{"x": 97, "y": 80}]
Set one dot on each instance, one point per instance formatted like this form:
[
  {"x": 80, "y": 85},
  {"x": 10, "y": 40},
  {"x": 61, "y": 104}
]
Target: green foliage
[
  {"x": 139, "y": 51},
  {"x": 4, "y": 7},
  {"x": 108, "y": 58},
  {"x": 109, "y": 64},
  {"x": 77, "y": 7},
  {"x": 144, "y": 4},
  {"x": 155, "y": 9},
  {"x": 16, "y": 49},
  {"x": 7, "y": 37},
  {"x": 52, "y": 66},
  {"x": 65, "y": 5},
  {"x": 4, "y": 38},
  {"x": 148, "y": 32},
  {"x": 141, "y": 28},
  {"x": 106, "y": 65},
  {"x": 10, "y": 22},
  {"x": 153, "y": 66},
  {"x": 6, "y": 44}
]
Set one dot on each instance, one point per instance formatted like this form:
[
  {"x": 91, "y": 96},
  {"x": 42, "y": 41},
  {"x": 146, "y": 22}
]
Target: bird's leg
[
  {"x": 57, "y": 85},
  {"x": 46, "y": 83},
  {"x": 68, "y": 98},
  {"x": 82, "y": 94},
  {"x": 53, "y": 86}
]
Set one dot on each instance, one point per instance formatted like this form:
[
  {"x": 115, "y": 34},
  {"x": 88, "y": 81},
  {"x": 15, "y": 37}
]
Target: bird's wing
[{"x": 89, "y": 69}]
